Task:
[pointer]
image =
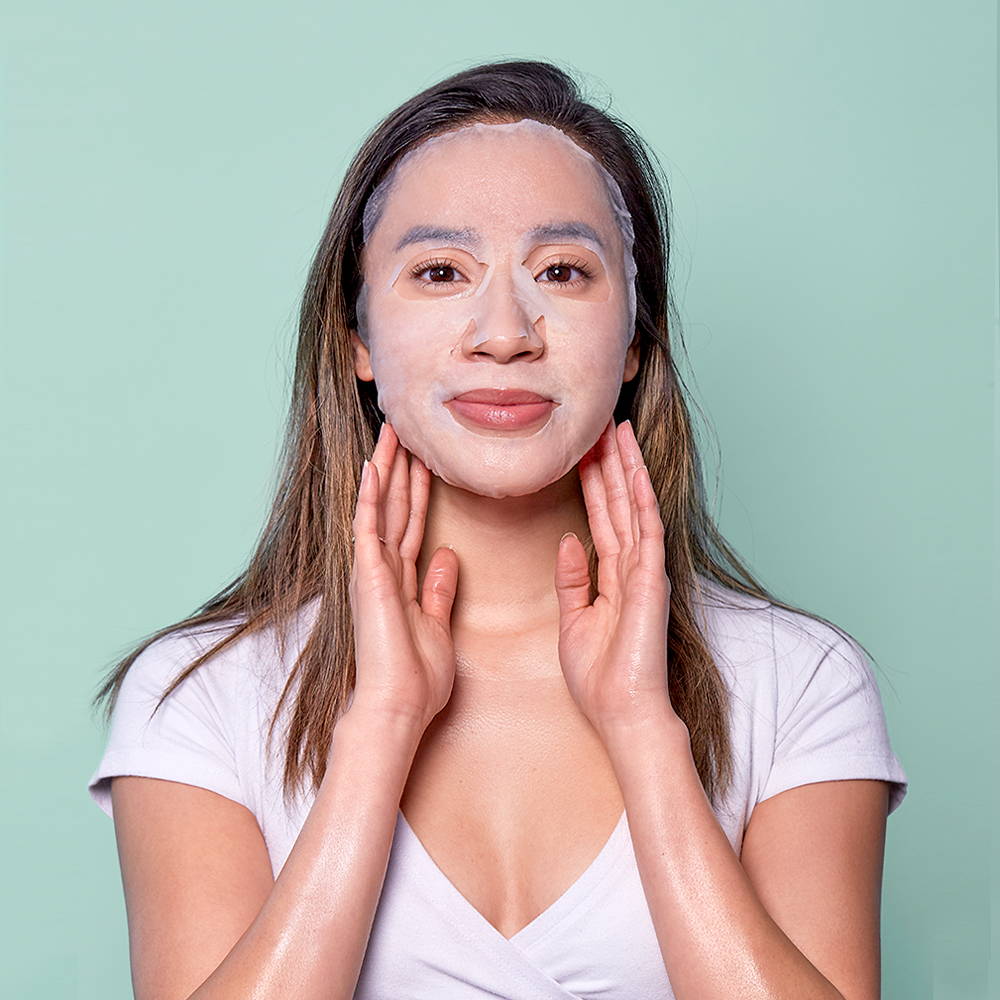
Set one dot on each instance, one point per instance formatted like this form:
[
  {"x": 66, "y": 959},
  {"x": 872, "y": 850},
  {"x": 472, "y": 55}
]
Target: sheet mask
[{"x": 427, "y": 344}]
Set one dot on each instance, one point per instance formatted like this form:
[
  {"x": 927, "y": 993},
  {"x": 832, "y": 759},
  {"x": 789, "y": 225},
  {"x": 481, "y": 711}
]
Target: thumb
[
  {"x": 572, "y": 575},
  {"x": 440, "y": 585}
]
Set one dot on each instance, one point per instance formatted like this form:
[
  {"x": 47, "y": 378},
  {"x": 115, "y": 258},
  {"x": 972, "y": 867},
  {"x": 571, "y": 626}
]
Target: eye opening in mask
[{"x": 565, "y": 261}]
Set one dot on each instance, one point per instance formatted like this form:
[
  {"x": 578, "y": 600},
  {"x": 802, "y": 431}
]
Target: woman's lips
[{"x": 501, "y": 409}]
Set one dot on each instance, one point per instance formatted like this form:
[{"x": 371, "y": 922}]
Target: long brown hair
[{"x": 305, "y": 550}]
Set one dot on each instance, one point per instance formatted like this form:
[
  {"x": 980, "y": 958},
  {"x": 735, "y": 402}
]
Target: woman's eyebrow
[
  {"x": 556, "y": 232},
  {"x": 471, "y": 240},
  {"x": 467, "y": 238}
]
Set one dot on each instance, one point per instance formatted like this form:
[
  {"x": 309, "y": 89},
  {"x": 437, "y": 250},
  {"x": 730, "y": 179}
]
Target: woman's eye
[
  {"x": 561, "y": 273},
  {"x": 571, "y": 273},
  {"x": 438, "y": 272}
]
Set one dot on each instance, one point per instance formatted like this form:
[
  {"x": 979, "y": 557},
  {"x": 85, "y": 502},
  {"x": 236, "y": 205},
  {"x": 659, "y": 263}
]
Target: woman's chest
[{"x": 512, "y": 796}]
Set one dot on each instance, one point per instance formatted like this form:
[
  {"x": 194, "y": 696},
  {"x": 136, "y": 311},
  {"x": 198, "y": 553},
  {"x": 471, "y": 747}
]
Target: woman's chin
[
  {"x": 496, "y": 486},
  {"x": 495, "y": 467}
]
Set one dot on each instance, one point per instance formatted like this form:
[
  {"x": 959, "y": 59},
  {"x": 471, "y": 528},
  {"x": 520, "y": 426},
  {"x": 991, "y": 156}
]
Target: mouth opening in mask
[{"x": 501, "y": 409}]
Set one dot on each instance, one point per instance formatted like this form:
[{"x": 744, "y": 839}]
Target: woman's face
[{"x": 497, "y": 264}]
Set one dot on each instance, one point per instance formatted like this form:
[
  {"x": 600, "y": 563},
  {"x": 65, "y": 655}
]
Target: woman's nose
[{"x": 504, "y": 328}]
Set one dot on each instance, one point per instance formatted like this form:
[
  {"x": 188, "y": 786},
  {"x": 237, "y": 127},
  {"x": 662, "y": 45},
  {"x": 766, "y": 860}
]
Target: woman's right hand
[{"x": 405, "y": 658}]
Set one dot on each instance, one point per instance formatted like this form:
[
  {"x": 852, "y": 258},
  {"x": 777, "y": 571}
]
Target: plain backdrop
[{"x": 167, "y": 171}]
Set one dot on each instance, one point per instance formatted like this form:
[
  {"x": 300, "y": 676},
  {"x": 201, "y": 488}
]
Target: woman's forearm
[
  {"x": 310, "y": 937},
  {"x": 716, "y": 937}
]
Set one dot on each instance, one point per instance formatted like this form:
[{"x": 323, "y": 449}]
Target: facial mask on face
[{"x": 501, "y": 322}]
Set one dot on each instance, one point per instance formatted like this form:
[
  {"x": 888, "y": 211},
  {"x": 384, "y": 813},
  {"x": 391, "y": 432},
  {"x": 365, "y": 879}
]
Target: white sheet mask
[{"x": 564, "y": 340}]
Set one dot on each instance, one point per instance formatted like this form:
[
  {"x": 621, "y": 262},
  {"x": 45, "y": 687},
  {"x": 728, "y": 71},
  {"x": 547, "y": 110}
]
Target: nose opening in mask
[
  {"x": 504, "y": 313},
  {"x": 508, "y": 339}
]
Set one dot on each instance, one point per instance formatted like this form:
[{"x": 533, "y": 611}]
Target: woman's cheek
[{"x": 395, "y": 380}]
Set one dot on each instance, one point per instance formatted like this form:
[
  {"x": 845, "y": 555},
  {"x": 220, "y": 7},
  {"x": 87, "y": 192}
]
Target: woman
[{"x": 543, "y": 734}]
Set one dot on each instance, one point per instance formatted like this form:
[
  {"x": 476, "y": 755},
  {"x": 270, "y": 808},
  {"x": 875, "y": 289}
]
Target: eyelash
[{"x": 572, "y": 262}]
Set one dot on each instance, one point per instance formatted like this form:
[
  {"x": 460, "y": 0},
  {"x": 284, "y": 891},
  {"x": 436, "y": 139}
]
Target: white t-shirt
[{"x": 806, "y": 708}]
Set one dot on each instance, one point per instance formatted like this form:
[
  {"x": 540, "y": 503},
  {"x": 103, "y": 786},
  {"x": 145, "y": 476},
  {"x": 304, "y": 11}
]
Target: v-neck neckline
[{"x": 553, "y": 914}]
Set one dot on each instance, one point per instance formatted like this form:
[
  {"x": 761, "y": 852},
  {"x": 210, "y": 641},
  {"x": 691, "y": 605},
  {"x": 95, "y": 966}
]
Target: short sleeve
[
  {"x": 831, "y": 723},
  {"x": 189, "y": 739}
]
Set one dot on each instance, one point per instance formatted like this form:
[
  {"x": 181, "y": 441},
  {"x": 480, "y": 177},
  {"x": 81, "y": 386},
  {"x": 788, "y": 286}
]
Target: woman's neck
[{"x": 506, "y": 552}]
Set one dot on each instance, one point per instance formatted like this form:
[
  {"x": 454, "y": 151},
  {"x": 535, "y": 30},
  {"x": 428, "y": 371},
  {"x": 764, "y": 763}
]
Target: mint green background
[{"x": 166, "y": 174}]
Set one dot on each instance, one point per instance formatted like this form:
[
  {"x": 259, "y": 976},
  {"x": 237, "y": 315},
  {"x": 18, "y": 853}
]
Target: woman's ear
[
  {"x": 362, "y": 359},
  {"x": 632, "y": 359}
]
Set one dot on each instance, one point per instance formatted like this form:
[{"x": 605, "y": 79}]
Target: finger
[
  {"x": 572, "y": 576},
  {"x": 629, "y": 445},
  {"x": 365, "y": 524},
  {"x": 596, "y": 501},
  {"x": 602, "y": 533},
  {"x": 396, "y": 505},
  {"x": 382, "y": 456},
  {"x": 652, "y": 553},
  {"x": 409, "y": 547},
  {"x": 440, "y": 585},
  {"x": 420, "y": 480},
  {"x": 384, "y": 449},
  {"x": 631, "y": 456},
  {"x": 616, "y": 489}
]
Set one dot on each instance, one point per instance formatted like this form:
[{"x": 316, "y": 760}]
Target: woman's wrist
[
  {"x": 383, "y": 722},
  {"x": 656, "y": 718}
]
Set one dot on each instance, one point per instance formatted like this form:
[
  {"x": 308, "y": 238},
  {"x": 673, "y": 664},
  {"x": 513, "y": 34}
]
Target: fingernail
[{"x": 567, "y": 535}]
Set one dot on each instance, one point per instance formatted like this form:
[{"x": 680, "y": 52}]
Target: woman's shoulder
[
  {"x": 252, "y": 663},
  {"x": 208, "y": 729},
  {"x": 774, "y": 653},
  {"x": 804, "y": 695},
  {"x": 745, "y": 630}
]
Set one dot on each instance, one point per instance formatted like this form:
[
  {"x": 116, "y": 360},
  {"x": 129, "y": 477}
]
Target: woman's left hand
[{"x": 614, "y": 652}]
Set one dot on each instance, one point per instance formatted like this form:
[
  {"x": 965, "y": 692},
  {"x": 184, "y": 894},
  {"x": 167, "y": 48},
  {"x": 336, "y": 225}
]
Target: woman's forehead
[
  {"x": 483, "y": 176},
  {"x": 520, "y": 147}
]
